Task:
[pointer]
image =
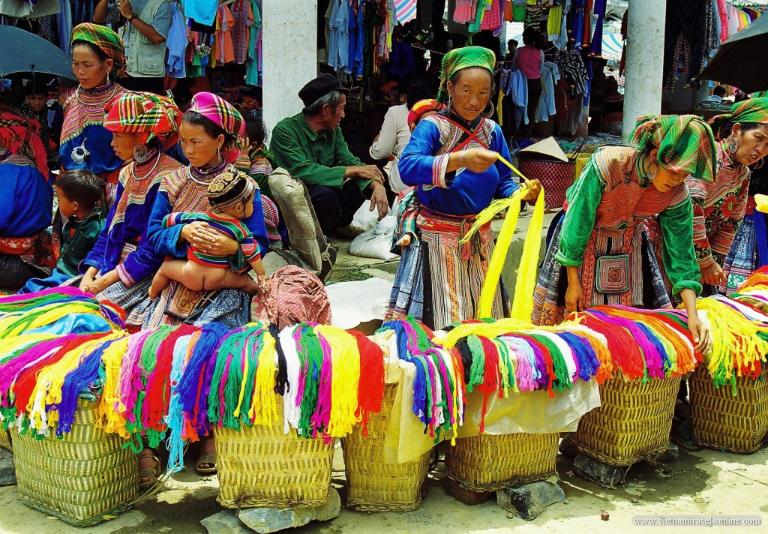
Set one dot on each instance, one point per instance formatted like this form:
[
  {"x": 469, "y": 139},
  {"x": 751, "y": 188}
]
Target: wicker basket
[
  {"x": 373, "y": 485},
  {"x": 633, "y": 423},
  {"x": 555, "y": 176},
  {"x": 723, "y": 421},
  {"x": 260, "y": 466},
  {"x": 81, "y": 478},
  {"x": 488, "y": 463}
]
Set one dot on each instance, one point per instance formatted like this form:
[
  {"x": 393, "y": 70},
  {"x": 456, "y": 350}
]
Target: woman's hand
[
  {"x": 533, "y": 189},
  {"x": 713, "y": 275},
  {"x": 700, "y": 332},
  {"x": 104, "y": 281},
  {"x": 574, "y": 296},
  {"x": 207, "y": 240},
  {"x": 87, "y": 280},
  {"x": 476, "y": 159}
]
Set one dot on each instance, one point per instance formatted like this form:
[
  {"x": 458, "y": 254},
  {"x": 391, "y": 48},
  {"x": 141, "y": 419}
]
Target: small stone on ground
[
  {"x": 267, "y": 520},
  {"x": 530, "y": 500},
  {"x": 7, "y": 469},
  {"x": 607, "y": 476}
]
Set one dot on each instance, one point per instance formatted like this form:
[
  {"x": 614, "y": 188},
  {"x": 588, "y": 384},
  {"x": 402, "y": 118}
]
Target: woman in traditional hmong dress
[
  {"x": 120, "y": 266},
  {"x": 209, "y": 134},
  {"x": 98, "y": 57},
  {"x": 600, "y": 253},
  {"x": 452, "y": 160},
  {"x": 25, "y": 205},
  {"x": 725, "y": 220}
]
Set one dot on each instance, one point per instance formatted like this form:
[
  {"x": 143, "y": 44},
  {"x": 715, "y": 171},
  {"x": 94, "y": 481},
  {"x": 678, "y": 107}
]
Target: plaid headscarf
[
  {"x": 106, "y": 40},
  {"x": 229, "y": 189},
  {"x": 752, "y": 110},
  {"x": 144, "y": 113},
  {"x": 420, "y": 108},
  {"x": 20, "y": 136},
  {"x": 685, "y": 143},
  {"x": 463, "y": 58},
  {"x": 224, "y": 115}
]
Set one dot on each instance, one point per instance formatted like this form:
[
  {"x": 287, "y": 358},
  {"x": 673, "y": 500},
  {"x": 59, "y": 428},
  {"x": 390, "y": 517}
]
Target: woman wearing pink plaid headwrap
[
  {"x": 210, "y": 134},
  {"x": 121, "y": 264}
]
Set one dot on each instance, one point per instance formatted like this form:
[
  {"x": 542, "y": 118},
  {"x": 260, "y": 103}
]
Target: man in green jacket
[{"x": 311, "y": 147}]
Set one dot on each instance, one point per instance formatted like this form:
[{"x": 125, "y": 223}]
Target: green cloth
[
  {"x": 685, "y": 143},
  {"x": 312, "y": 157},
  {"x": 676, "y": 222},
  {"x": 77, "y": 240},
  {"x": 752, "y": 110},
  {"x": 463, "y": 58}
]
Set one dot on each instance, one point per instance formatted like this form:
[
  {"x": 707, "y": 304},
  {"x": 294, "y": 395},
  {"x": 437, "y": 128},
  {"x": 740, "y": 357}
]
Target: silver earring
[
  {"x": 218, "y": 151},
  {"x": 107, "y": 78}
]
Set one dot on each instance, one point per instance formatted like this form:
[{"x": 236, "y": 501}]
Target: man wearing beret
[{"x": 311, "y": 147}]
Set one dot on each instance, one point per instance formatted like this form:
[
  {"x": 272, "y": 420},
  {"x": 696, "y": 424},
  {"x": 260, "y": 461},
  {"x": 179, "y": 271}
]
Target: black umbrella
[
  {"x": 23, "y": 51},
  {"x": 742, "y": 60}
]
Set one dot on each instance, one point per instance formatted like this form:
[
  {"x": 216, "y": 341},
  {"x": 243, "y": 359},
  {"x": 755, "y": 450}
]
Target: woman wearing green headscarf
[
  {"x": 452, "y": 163},
  {"x": 600, "y": 253},
  {"x": 725, "y": 206}
]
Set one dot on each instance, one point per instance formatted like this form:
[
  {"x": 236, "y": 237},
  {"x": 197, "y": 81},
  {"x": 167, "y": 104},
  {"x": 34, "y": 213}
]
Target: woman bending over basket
[{"x": 600, "y": 253}]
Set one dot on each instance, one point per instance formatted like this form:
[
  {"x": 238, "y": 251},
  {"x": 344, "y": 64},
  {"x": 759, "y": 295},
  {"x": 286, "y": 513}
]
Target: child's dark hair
[
  {"x": 81, "y": 186},
  {"x": 211, "y": 128}
]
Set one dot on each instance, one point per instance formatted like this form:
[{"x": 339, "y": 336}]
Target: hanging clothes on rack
[
  {"x": 175, "y": 63},
  {"x": 202, "y": 11},
  {"x": 356, "y": 31},
  {"x": 338, "y": 26},
  {"x": 242, "y": 12},
  {"x": 546, "y": 108},
  {"x": 253, "y": 74}
]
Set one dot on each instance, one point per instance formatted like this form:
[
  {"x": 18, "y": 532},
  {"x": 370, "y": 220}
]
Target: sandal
[
  {"x": 206, "y": 465},
  {"x": 148, "y": 475},
  {"x": 682, "y": 436}
]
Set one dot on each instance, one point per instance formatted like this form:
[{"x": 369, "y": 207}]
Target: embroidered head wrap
[
  {"x": 21, "y": 137},
  {"x": 463, "y": 58},
  {"x": 752, "y": 110},
  {"x": 420, "y": 108},
  {"x": 224, "y": 115},
  {"x": 145, "y": 113},
  {"x": 229, "y": 189},
  {"x": 685, "y": 143},
  {"x": 106, "y": 40}
]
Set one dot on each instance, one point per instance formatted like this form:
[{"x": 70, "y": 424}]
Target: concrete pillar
[
  {"x": 645, "y": 61},
  {"x": 289, "y": 55}
]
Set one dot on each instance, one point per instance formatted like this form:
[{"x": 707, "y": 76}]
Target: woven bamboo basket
[
  {"x": 373, "y": 485},
  {"x": 723, "y": 421},
  {"x": 82, "y": 478},
  {"x": 489, "y": 463},
  {"x": 633, "y": 422},
  {"x": 260, "y": 466}
]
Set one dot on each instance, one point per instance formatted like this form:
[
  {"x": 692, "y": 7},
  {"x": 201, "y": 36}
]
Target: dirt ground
[{"x": 698, "y": 483}]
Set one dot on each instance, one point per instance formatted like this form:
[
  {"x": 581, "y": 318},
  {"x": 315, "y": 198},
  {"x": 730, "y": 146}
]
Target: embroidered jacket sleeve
[
  {"x": 584, "y": 198},
  {"x": 679, "y": 254},
  {"x": 143, "y": 261},
  {"x": 698, "y": 190},
  {"x": 733, "y": 209},
  {"x": 255, "y": 223},
  {"x": 417, "y": 165},
  {"x": 166, "y": 241}
]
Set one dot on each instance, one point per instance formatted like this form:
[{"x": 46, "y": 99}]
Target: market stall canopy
[
  {"x": 741, "y": 60},
  {"x": 23, "y": 51}
]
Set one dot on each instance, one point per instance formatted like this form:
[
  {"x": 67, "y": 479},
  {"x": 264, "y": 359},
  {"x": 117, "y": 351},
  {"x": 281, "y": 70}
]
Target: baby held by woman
[{"x": 231, "y": 198}]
